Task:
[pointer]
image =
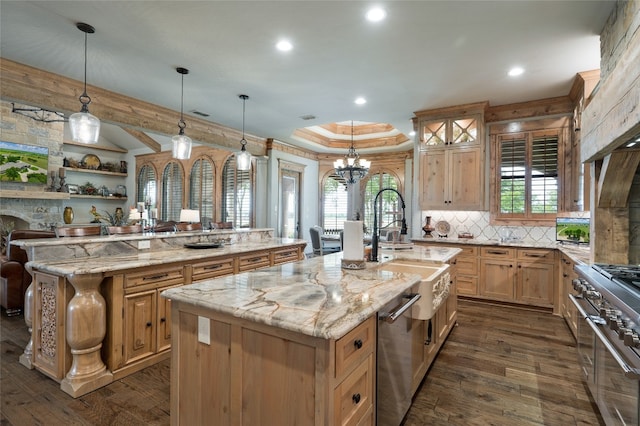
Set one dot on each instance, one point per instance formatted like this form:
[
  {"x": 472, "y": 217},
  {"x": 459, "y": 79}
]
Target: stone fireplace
[{"x": 32, "y": 210}]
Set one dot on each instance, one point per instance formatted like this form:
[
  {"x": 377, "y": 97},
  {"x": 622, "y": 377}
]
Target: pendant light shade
[
  {"x": 181, "y": 142},
  {"x": 243, "y": 157},
  {"x": 85, "y": 128}
]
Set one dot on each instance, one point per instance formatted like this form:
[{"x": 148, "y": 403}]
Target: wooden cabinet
[
  {"x": 451, "y": 163},
  {"x": 452, "y": 179},
  {"x": 466, "y": 267},
  {"x": 567, "y": 309},
  {"x": 524, "y": 276},
  {"x": 249, "y": 372}
]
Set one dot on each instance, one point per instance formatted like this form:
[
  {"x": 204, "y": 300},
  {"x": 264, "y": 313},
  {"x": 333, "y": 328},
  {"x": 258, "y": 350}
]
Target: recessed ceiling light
[
  {"x": 516, "y": 71},
  {"x": 284, "y": 45},
  {"x": 360, "y": 101},
  {"x": 376, "y": 14}
]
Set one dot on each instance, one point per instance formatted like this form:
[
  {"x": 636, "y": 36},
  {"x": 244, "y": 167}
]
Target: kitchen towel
[{"x": 352, "y": 240}]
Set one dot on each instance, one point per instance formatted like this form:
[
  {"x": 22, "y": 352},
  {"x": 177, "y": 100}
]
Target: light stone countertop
[{"x": 315, "y": 297}]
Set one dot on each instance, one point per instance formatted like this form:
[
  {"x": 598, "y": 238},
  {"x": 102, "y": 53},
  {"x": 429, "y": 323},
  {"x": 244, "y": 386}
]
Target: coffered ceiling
[{"x": 425, "y": 54}]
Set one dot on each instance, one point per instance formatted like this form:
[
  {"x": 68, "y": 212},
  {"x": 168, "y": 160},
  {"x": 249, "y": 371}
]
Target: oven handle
[
  {"x": 629, "y": 372},
  {"x": 582, "y": 312},
  {"x": 392, "y": 316}
]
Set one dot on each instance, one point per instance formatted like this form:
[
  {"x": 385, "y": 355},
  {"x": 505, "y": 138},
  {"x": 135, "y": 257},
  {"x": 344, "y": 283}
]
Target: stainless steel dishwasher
[{"x": 393, "y": 387}]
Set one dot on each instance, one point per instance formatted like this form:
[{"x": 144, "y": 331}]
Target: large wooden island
[
  {"x": 94, "y": 307},
  {"x": 286, "y": 345}
]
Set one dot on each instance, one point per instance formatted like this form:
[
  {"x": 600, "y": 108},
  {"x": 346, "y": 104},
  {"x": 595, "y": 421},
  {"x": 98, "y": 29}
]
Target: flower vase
[
  {"x": 427, "y": 228},
  {"x": 67, "y": 215}
]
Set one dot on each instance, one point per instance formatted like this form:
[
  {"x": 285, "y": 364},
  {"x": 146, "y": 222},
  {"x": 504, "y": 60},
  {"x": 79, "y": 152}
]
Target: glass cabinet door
[
  {"x": 464, "y": 131},
  {"x": 434, "y": 133}
]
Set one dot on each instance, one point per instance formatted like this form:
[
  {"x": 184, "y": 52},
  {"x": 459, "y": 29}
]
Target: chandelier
[{"x": 352, "y": 168}]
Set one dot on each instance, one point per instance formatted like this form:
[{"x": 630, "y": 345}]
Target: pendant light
[
  {"x": 352, "y": 168},
  {"x": 181, "y": 142},
  {"x": 85, "y": 128},
  {"x": 243, "y": 157}
]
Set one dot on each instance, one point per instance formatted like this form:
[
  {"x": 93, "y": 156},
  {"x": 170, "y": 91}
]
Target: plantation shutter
[
  {"x": 171, "y": 192},
  {"x": 544, "y": 175},
  {"x": 146, "y": 186},
  {"x": 237, "y": 195},
  {"x": 513, "y": 175},
  {"x": 388, "y": 202},
  {"x": 201, "y": 188},
  {"x": 334, "y": 204}
]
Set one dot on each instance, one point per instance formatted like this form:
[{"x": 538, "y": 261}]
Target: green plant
[{"x": 115, "y": 219}]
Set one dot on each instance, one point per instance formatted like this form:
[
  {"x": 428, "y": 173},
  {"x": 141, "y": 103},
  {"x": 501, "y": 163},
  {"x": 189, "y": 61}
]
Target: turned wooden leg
[
  {"x": 26, "y": 358},
  {"x": 85, "y": 329}
]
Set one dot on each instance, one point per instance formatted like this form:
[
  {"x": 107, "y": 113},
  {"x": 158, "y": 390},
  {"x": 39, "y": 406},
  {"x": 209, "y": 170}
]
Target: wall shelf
[
  {"x": 98, "y": 147},
  {"x": 98, "y": 197},
  {"x": 36, "y": 195},
  {"x": 97, "y": 172}
]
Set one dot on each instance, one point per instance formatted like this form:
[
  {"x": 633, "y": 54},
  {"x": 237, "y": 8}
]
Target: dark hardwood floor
[{"x": 500, "y": 366}]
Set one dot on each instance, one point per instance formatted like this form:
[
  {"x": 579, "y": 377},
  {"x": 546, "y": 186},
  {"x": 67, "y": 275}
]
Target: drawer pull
[
  {"x": 356, "y": 398},
  {"x": 149, "y": 324},
  {"x": 497, "y": 252},
  {"x": 155, "y": 277},
  {"x": 254, "y": 259},
  {"x": 208, "y": 268},
  {"x": 357, "y": 344},
  {"x": 534, "y": 255}
]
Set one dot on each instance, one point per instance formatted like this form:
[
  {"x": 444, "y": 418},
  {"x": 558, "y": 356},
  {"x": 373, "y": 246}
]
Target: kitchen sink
[{"x": 433, "y": 287}]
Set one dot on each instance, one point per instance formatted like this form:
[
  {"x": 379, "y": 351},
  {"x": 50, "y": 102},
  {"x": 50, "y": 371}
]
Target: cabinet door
[
  {"x": 467, "y": 286},
  {"x": 433, "y": 179},
  {"x": 465, "y": 175},
  {"x": 452, "y": 305},
  {"x": 418, "y": 352},
  {"x": 164, "y": 321},
  {"x": 139, "y": 325},
  {"x": 535, "y": 283},
  {"x": 434, "y": 134},
  {"x": 497, "y": 279}
]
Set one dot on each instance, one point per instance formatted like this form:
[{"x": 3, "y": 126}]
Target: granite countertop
[
  {"x": 114, "y": 263},
  {"x": 315, "y": 297},
  {"x": 577, "y": 253}
]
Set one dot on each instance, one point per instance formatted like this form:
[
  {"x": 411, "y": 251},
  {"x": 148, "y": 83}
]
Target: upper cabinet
[{"x": 452, "y": 158}]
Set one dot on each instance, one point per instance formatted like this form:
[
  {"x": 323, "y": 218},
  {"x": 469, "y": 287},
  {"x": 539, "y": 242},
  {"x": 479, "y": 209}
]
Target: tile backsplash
[{"x": 477, "y": 223}]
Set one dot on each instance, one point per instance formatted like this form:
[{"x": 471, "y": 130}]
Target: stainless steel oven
[{"x": 609, "y": 338}]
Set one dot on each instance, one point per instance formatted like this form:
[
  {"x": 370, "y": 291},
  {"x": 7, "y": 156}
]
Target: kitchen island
[
  {"x": 95, "y": 310},
  {"x": 294, "y": 344}
]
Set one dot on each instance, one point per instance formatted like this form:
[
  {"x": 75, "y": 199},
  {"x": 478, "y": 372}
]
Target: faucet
[{"x": 374, "y": 236}]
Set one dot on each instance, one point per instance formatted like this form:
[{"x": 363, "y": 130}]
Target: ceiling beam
[
  {"x": 32, "y": 86},
  {"x": 144, "y": 138}
]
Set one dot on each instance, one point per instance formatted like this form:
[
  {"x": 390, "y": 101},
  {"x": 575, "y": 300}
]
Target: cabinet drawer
[
  {"x": 212, "y": 269},
  {"x": 353, "y": 398},
  {"x": 548, "y": 256},
  {"x": 498, "y": 252},
  {"x": 467, "y": 251},
  {"x": 467, "y": 286},
  {"x": 253, "y": 261},
  {"x": 159, "y": 277},
  {"x": 352, "y": 346},
  {"x": 285, "y": 255},
  {"x": 467, "y": 265}
]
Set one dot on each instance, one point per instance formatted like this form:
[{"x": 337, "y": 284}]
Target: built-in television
[
  {"x": 572, "y": 229},
  {"x": 23, "y": 163}
]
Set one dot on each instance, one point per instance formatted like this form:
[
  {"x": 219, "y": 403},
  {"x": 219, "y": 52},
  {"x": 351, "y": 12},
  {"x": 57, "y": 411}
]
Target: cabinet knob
[
  {"x": 149, "y": 324},
  {"x": 356, "y": 398},
  {"x": 357, "y": 343},
  {"x": 163, "y": 319}
]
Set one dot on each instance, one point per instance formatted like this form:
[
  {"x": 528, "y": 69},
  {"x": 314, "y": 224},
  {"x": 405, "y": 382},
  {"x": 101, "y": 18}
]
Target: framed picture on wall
[{"x": 73, "y": 188}]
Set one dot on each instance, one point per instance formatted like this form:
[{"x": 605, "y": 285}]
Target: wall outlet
[{"x": 144, "y": 244}]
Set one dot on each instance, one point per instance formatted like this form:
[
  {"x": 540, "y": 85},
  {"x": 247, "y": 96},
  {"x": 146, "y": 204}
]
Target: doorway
[{"x": 290, "y": 183}]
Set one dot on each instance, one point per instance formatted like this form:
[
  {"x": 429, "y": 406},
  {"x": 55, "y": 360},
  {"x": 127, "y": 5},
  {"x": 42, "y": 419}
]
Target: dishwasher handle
[{"x": 392, "y": 316}]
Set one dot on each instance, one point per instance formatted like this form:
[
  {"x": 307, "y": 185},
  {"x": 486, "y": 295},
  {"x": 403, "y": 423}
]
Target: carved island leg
[
  {"x": 85, "y": 330},
  {"x": 26, "y": 358}
]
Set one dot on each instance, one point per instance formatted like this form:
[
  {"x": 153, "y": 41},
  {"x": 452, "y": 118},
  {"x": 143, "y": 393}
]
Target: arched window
[
  {"x": 388, "y": 202},
  {"x": 171, "y": 192},
  {"x": 334, "y": 203},
  {"x": 237, "y": 195},
  {"x": 201, "y": 188},
  {"x": 147, "y": 185}
]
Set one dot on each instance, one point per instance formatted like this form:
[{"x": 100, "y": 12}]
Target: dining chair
[
  {"x": 185, "y": 226},
  {"x": 78, "y": 231},
  {"x": 319, "y": 248},
  {"x": 127, "y": 229}
]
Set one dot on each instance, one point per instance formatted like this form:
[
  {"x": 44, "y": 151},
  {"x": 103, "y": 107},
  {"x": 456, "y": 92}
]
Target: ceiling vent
[
  {"x": 200, "y": 113},
  {"x": 308, "y": 117}
]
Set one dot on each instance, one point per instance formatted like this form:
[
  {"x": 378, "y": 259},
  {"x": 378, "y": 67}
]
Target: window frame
[
  {"x": 231, "y": 161},
  {"x": 323, "y": 199},
  {"x": 528, "y": 218},
  {"x": 197, "y": 204}
]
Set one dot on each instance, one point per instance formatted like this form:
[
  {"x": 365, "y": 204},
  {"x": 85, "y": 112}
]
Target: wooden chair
[
  {"x": 130, "y": 229},
  {"x": 319, "y": 248},
  {"x": 169, "y": 226},
  {"x": 184, "y": 226},
  {"x": 222, "y": 225},
  {"x": 78, "y": 231}
]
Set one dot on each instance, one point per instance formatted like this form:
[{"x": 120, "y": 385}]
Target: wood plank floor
[{"x": 500, "y": 366}]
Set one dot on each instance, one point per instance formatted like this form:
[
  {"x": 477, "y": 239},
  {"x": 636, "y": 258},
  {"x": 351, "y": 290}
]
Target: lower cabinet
[
  {"x": 247, "y": 373},
  {"x": 567, "y": 308},
  {"x": 526, "y": 276}
]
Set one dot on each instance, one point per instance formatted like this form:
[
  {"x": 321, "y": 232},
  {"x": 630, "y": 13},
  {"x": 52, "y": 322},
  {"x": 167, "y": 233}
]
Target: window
[
  {"x": 147, "y": 185},
  {"x": 527, "y": 176},
  {"x": 201, "y": 187},
  {"x": 389, "y": 204},
  {"x": 334, "y": 203},
  {"x": 237, "y": 195},
  {"x": 171, "y": 192}
]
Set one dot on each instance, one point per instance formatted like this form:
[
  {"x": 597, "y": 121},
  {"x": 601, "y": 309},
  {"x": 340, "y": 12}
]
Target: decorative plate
[
  {"x": 443, "y": 228},
  {"x": 91, "y": 161}
]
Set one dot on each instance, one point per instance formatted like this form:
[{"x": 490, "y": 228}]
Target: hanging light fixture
[
  {"x": 181, "y": 142},
  {"x": 84, "y": 127},
  {"x": 243, "y": 157},
  {"x": 352, "y": 168}
]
